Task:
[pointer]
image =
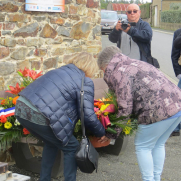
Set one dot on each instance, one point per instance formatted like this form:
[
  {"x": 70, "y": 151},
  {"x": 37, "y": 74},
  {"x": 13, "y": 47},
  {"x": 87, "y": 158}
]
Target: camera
[{"x": 125, "y": 24}]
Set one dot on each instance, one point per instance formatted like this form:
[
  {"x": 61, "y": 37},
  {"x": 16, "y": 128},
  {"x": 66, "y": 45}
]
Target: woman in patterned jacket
[{"x": 143, "y": 90}]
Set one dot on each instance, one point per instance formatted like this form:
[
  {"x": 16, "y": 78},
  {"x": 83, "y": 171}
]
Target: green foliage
[
  {"x": 8, "y": 102},
  {"x": 125, "y": 122},
  {"x": 78, "y": 130},
  {"x": 172, "y": 16},
  {"x": 137, "y": 2},
  {"x": 145, "y": 10},
  {"x": 9, "y": 136},
  {"x": 104, "y": 4},
  {"x": 175, "y": 6}
]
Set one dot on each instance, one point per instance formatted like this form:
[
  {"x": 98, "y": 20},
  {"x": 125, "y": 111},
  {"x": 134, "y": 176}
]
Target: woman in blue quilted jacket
[{"x": 50, "y": 107}]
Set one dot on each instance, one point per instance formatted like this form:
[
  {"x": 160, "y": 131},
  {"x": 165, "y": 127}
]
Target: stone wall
[
  {"x": 166, "y": 4},
  {"x": 43, "y": 40},
  {"x": 170, "y": 26}
]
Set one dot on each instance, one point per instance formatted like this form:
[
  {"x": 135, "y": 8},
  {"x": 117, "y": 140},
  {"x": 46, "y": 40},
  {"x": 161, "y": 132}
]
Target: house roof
[{"x": 120, "y": 7}]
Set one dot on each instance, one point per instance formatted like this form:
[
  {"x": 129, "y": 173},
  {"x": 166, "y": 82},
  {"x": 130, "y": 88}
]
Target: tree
[
  {"x": 132, "y": 1},
  {"x": 137, "y": 2},
  {"x": 104, "y": 4}
]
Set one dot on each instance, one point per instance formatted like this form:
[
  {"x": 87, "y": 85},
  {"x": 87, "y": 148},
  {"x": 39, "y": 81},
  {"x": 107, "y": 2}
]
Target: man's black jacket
[
  {"x": 141, "y": 34},
  {"x": 176, "y": 53}
]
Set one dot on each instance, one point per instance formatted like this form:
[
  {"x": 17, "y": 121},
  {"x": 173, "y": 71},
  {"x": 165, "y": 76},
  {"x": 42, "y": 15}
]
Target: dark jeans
[{"x": 51, "y": 147}]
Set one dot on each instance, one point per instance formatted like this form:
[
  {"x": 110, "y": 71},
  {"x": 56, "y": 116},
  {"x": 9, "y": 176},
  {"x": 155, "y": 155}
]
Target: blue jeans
[
  {"x": 51, "y": 147},
  {"x": 150, "y": 147},
  {"x": 177, "y": 129}
]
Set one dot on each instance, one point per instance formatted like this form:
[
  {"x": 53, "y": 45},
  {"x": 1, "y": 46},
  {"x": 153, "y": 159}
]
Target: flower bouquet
[
  {"x": 106, "y": 110},
  {"x": 10, "y": 129}
]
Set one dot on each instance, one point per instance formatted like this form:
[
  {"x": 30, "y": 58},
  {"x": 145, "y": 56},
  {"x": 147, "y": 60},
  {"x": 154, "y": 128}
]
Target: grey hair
[
  {"x": 106, "y": 55},
  {"x": 131, "y": 5}
]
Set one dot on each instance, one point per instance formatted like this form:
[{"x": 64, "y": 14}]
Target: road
[{"x": 161, "y": 46}]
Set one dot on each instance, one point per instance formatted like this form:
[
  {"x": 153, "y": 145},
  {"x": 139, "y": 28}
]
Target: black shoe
[{"x": 175, "y": 134}]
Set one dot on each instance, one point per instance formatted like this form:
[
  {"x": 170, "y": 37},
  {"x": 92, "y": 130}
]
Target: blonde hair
[{"x": 84, "y": 61}]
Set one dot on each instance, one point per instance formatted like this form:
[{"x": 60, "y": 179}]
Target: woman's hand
[{"x": 103, "y": 139}]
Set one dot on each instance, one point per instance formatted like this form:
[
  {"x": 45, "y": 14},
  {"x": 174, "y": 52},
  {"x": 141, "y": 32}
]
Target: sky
[{"x": 148, "y": 1}]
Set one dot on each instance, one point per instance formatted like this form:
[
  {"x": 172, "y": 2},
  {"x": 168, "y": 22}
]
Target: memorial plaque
[{"x": 45, "y": 5}]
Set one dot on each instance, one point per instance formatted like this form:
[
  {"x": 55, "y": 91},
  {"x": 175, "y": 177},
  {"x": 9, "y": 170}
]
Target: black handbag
[
  {"x": 86, "y": 155},
  {"x": 153, "y": 61}
]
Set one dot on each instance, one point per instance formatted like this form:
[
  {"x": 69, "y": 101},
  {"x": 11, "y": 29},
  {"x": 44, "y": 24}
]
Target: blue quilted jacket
[{"x": 56, "y": 95}]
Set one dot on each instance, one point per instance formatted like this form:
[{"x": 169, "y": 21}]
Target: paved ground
[{"x": 125, "y": 167}]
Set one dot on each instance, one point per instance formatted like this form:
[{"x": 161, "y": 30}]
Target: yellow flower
[
  {"x": 10, "y": 98},
  {"x": 103, "y": 107},
  {"x": 129, "y": 121},
  {"x": 127, "y": 130},
  {"x": 106, "y": 113},
  {"x": 7, "y": 125}
]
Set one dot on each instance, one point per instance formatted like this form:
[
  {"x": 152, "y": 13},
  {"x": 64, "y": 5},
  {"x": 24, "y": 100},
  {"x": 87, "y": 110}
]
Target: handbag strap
[{"x": 81, "y": 108}]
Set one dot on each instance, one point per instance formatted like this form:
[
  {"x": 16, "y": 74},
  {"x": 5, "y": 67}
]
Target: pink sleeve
[{"x": 124, "y": 96}]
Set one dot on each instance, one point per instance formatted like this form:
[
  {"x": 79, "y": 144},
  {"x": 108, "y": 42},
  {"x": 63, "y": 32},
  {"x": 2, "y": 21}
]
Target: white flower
[{"x": 16, "y": 123}]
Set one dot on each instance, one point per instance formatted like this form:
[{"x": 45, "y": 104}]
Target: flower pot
[
  {"x": 25, "y": 159},
  {"x": 118, "y": 147},
  {"x": 96, "y": 144}
]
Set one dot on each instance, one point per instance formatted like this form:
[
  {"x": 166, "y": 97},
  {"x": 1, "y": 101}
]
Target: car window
[
  {"x": 109, "y": 15},
  {"x": 122, "y": 16}
]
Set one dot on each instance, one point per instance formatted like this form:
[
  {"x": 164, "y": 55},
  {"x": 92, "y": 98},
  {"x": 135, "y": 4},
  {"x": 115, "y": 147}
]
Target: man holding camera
[{"x": 133, "y": 36}]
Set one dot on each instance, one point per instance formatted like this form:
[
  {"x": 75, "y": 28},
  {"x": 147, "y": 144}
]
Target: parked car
[
  {"x": 108, "y": 20},
  {"x": 122, "y": 16}
]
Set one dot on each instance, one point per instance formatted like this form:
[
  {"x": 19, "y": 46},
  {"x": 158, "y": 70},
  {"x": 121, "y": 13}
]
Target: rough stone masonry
[{"x": 44, "y": 40}]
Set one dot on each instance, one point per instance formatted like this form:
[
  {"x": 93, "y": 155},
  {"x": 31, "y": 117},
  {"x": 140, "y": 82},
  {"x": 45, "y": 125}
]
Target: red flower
[
  {"x": 3, "y": 102},
  {"x": 15, "y": 90},
  {"x": 24, "y": 72},
  {"x": 25, "y": 131},
  {"x": 34, "y": 75},
  {"x": 3, "y": 119}
]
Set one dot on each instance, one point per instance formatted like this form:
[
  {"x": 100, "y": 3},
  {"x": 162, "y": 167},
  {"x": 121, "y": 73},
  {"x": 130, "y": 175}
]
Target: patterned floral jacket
[{"x": 142, "y": 89}]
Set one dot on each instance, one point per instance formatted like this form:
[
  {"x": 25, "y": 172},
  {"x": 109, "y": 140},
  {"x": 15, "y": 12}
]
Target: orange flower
[
  {"x": 98, "y": 104},
  {"x": 24, "y": 72},
  {"x": 15, "y": 99},
  {"x": 3, "y": 102},
  {"x": 3, "y": 119},
  {"x": 25, "y": 131},
  {"x": 34, "y": 75},
  {"x": 15, "y": 90}
]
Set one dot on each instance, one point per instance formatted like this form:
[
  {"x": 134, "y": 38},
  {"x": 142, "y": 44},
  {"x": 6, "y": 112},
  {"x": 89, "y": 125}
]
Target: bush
[
  {"x": 145, "y": 10},
  {"x": 172, "y": 16},
  {"x": 104, "y": 4}
]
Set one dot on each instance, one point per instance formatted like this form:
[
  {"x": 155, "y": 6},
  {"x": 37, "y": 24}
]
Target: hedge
[
  {"x": 171, "y": 16},
  {"x": 145, "y": 10}
]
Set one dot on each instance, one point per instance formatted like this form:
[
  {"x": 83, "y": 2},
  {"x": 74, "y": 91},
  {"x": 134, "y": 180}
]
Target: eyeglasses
[{"x": 134, "y": 11}]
